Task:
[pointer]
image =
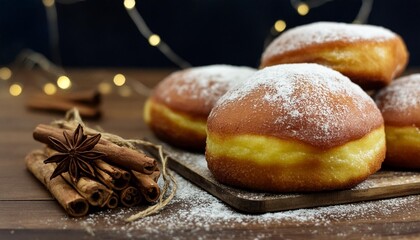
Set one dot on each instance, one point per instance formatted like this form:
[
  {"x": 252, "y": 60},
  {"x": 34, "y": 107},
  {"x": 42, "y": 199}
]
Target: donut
[
  {"x": 178, "y": 108},
  {"x": 370, "y": 56},
  {"x": 399, "y": 104},
  {"x": 295, "y": 128}
]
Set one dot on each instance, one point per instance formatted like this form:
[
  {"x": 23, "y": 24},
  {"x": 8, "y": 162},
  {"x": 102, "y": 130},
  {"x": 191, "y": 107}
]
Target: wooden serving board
[{"x": 381, "y": 185}]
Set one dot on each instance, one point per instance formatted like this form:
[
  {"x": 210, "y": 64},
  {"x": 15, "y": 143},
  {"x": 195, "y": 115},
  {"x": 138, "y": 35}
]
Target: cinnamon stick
[
  {"x": 72, "y": 202},
  {"x": 112, "y": 201},
  {"x": 147, "y": 186},
  {"x": 60, "y": 105},
  {"x": 121, "y": 156},
  {"x": 130, "y": 196},
  {"x": 155, "y": 175},
  {"x": 114, "y": 177},
  {"x": 89, "y": 97},
  {"x": 94, "y": 192}
]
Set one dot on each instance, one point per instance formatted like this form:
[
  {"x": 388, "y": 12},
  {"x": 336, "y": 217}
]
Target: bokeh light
[
  {"x": 5, "y": 73},
  {"x": 280, "y": 25},
  {"x": 50, "y": 89},
  {"x": 15, "y": 89},
  {"x": 303, "y": 9},
  {"x": 129, "y": 4},
  {"x": 63, "y": 82},
  {"x": 154, "y": 40},
  {"x": 119, "y": 79}
]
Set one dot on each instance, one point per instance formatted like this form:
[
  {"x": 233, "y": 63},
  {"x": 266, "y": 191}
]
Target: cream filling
[
  {"x": 348, "y": 56},
  {"x": 181, "y": 120},
  {"x": 340, "y": 162},
  {"x": 403, "y": 136}
]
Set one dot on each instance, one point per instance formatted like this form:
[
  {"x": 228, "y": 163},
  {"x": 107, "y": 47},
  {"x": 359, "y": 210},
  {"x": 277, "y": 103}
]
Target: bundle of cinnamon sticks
[{"x": 122, "y": 177}]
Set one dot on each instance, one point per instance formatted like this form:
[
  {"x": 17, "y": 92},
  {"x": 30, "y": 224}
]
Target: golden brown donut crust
[
  {"x": 194, "y": 91},
  {"x": 374, "y": 62},
  {"x": 347, "y": 114},
  {"x": 399, "y": 102}
]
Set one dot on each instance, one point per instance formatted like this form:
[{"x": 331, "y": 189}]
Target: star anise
[{"x": 75, "y": 155}]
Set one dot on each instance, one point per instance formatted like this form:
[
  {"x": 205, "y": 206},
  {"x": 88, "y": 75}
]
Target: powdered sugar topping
[
  {"x": 206, "y": 83},
  {"x": 322, "y": 32},
  {"x": 310, "y": 101},
  {"x": 402, "y": 95}
]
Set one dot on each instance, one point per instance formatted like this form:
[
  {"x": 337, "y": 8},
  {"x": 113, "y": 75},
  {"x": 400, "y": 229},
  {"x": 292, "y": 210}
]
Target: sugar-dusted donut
[
  {"x": 400, "y": 106},
  {"x": 295, "y": 127},
  {"x": 370, "y": 56},
  {"x": 179, "y": 105}
]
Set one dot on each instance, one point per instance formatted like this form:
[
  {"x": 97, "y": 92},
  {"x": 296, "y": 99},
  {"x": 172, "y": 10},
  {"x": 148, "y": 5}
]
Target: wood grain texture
[{"x": 27, "y": 210}]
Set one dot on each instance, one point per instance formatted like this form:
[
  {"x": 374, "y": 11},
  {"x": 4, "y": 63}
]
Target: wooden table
[{"x": 27, "y": 210}]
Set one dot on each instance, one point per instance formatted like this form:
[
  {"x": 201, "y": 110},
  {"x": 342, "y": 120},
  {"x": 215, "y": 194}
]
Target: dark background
[{"x": 99, "y": 33}]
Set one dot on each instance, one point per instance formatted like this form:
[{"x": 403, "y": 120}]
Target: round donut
[
  {"x": 295, "y": 127},
  {"x": 370, "y": 56},
  {"x": 400, "y": 106},
  {"x": 178, "y": 108}
]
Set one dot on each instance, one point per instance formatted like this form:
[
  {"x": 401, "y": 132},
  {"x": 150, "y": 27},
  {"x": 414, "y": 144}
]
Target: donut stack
[{"x": 302, "y": 122}]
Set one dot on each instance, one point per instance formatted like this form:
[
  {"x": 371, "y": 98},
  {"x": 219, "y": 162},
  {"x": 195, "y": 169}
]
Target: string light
[
  {"x": 129, "y": 4},
  {"x": 63, "y": 82},
  {"x": 364, "y": 12},
  {"x": 303, "y": 9},
  {"x": 15, "y": 89},
  {"x": 119, "y": 79},
  {"x": 5, "y": 73},
  {"x": 31, "y": 59},
  {"x": 280, "y": 25},
  {"x": 154, "y": 40},
  {"x": 50, "y": 89}
]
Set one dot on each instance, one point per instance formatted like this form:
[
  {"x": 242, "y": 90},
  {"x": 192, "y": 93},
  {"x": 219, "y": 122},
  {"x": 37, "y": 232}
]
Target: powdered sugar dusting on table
[
  {"x": 323, "y": 32},
  {"x": 206, "y": 83},
  {"x": 303, "y": 92},
  {"x": 198, "y": 211},
  {"x": 402, "y": 95},
  {"x": 194, "y": 210}
]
